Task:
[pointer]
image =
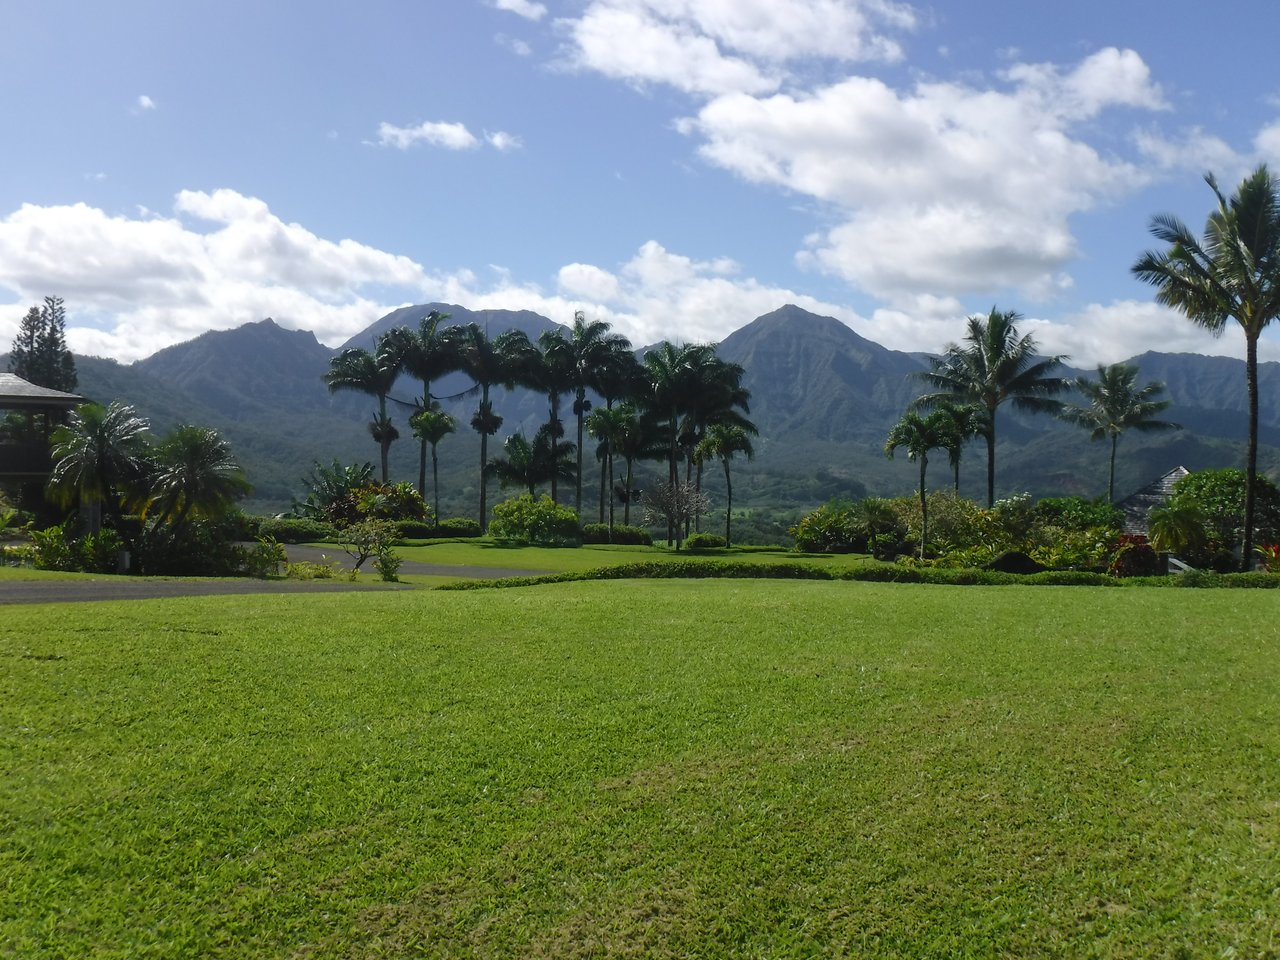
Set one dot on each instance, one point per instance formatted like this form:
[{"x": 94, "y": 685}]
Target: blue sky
[{"x": 676, "y": 167}]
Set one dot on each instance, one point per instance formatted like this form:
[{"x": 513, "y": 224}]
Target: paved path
[{"x": 146, "y": 588}]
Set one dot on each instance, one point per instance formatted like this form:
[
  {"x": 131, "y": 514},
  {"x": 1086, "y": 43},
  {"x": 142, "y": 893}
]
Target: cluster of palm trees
[
  {"x": 1231, "y": 273},
  {"x": 996, "y": 364},
  {"x": 106, "y": 460},
  {"x": 680, "y": 403}
]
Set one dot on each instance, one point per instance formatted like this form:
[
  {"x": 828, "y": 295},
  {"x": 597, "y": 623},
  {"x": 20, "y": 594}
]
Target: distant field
[{"x": 649, "y": 768}]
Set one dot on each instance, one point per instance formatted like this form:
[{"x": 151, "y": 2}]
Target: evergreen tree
[{"x": 39, "y": 354}]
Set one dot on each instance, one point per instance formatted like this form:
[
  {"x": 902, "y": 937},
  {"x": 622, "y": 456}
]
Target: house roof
[
  {"x": 1136, "y": 506},
  {"x": 16, "y": 392}
]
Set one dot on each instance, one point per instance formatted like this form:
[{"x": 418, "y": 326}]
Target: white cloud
[
  {"x": 451, "y": 136},
  {"x": 145, "y": 103},
  {"x": 503, "y": 141},
  {"x": 1194, "y": 150},
  {"x": 722, "y": 46},
  {"x": 522, "y": 8},
  {"x": 514, "y": 44},
  {"x": 133, "y": 286},
  {"x": 946, "y": 188},
  {"x": 1267, "y": 143}
]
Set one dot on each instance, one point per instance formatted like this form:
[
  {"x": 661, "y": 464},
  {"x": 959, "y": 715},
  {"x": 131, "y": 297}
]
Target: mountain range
[{"x": 823, "y": 397}]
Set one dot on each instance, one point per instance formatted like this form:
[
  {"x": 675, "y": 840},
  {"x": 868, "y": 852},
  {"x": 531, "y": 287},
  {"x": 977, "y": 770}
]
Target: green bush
[
  {"x": 1219, "y": 497},
  {"x": 457, "y": 527},
  {"x": 541, "y": 522},
  {"x": 705, "y": 541},
  {"x": 832, "y": 528},
  {"x": 290, "y": 530},
  {"x": 99, "y": 552},
  {"x": 629, "y": 535},
  {"x": 414, "y": 529},
  {"x": 1077, "y": 513},
  {"x": 51, "y": 549},
  {"x": 306, "y": 570}
]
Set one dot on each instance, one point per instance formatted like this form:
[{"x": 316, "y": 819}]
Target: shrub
[
  {"x": 99, "y": 552},
  {"x": 599, "y": 533},
  {"x": 265, "y": 559},
  {"x": 306, "y": 570},
  {"x": 1016, "y": 515},
  {"x": 396, "y": 501},
  {"x": 1134, "y": 557},
  {"x": 1219, "y": 496},
  {"x": 52, "y": 550},
  {"x": 1077, "y": 513},
  {"x": 415, "y": 529},
  {"x": 457, "y": 527},
  {"x": 832, "y": 528},
  {"x": 705, "y": 541},
  {"x": 1063, "y": 548},
  {"x": 541, "y": 522},
  {"x": 289, "y": 530},
  {"x": 387, "y": 563}
]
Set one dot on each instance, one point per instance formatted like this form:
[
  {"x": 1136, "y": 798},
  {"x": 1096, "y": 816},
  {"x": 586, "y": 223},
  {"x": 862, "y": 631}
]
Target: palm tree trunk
[
  {"x": 991, "y": 462},
  {"x": 626, "y": 510},
  {"x": 577, "y": 493},
  {"x": 422, "y": 469},
  {"x": 435, "y": 483},
  {"x": 728, "y": 507},
  {"x": 555, "y": 442},
  {"x": 484, "y": 456},
  {"x": 924, "y": 506},
  {"x": 1111, "y": 477},
  {"x": 606, "y": 471},
  {"x": 1251, "y": 465}
]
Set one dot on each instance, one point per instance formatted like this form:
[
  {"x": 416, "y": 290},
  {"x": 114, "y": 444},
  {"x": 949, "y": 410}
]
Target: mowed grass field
[{"x": 644, "y": 769}]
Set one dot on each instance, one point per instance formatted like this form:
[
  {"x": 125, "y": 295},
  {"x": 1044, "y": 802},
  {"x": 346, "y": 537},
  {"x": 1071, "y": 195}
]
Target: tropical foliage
[{"x": 1231, "y": 273}]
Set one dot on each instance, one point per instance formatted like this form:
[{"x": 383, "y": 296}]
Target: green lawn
[{"x": 648, "y": 768}]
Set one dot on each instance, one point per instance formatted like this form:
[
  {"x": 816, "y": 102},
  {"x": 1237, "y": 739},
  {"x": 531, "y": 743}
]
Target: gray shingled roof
[
  {"x": 1136, "y": 506},
  {"x": 16, "y": 392}
]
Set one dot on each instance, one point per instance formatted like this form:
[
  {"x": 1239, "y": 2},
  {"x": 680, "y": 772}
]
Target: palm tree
[
  {"x": 1116, "y": 404},
  {"x": 101, "y": 452},
  {"x": 375, "y": 374},
  {"x": 967, "y": 422},
  {"x": 431, "y": 426},
  {"x": 549, "y": 370},
  {"x": 1232, "y": 273},
  {"x": 596, "y": 360},
  {"x": 195, "y": 475},
  {"x": 919, "y": 435},
  {"x": 638, "y": 435},
  {"x": 428, "y": 354},
  {"x": 722, "y": 442},
  {"x": 606, "y": 425},
  {"x": 996, "y": 365},
  {"x": 489, "y": 363},
  {"x": 530, "y": 464}
]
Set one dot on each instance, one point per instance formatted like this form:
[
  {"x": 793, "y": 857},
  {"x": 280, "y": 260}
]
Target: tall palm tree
[
  {"x": 618, "y": 376},
  {"x": 375, "y": 374},
  {"x": 606, "y": 425},
  {"x": 595, "y": 363},
  {"x": 195, "y": 475},
  {"x": 428, "y": 354},
  {"x": 489, "y": 363},
  {"x": 967, "y": 421},
  {"x": 1232, "y": 273},
  {"x": 101, "y": 452},
  {"x": 722, "y": 442},
  {"x": 919, "y": 435},
  {"x": 431, "y": 426},
  {"x": 994, "y": 365},
  {"x": 549, "y": 370},
  {"x": 1117, "y": 404}
]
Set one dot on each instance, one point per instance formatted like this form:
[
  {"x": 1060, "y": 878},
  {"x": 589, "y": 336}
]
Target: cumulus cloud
[
  {"x": 522, "y": 8},
  {"x": 145, "y": 103},
  {"x": 946, "y": 188},
  {"x": 1267, "y": 143},
  {"x": 134, "y": 285},
  {"x": 721, "y": 46},
  {"x": 451, "y": 136}
]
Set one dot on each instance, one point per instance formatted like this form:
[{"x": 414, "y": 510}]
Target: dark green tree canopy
[{"x": 39, "y": 353}]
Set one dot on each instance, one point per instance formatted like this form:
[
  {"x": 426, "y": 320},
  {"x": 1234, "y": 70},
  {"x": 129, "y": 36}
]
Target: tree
[
  {"x": 529, "y": 464},
  {"x": 995, "y": 365},
  {"x": 428, "y": 354},
  {"x": 195, "y": 476},
  {"x": 676, "y": 504},
  {"x": 1232, "y": 273},
  {"x": 431, "y": 426},
  {"x": 722, "y": 443},
  {"x": 967, "y": 423},
  {"x": 39, "y": 353},
  {"x": 101, "y": 454},
  {"x": 636, "y": 435},
  {"x": 375, "y": 374},
  {"x": 1220, "y": 497},
  {"x": 1117, "y": 404},
  {"x": 549, "y": 370},
  {"x": 919, "y": 435},
  {"x": 489, "y": 363},
  {"x": 596, "y": 360}
]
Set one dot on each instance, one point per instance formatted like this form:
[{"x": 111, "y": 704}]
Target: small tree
[
  {"x": 920, "y": 435},
  {"x": 675, "y": 504},
  {"x": 39, "y": 353}
]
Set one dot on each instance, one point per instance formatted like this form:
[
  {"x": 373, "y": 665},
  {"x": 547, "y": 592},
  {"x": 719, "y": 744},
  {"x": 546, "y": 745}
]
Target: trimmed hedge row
[{"x": 886, "y": 573}]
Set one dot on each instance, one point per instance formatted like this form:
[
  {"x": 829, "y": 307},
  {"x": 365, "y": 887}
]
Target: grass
[{"x": 656, "y": 768}]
